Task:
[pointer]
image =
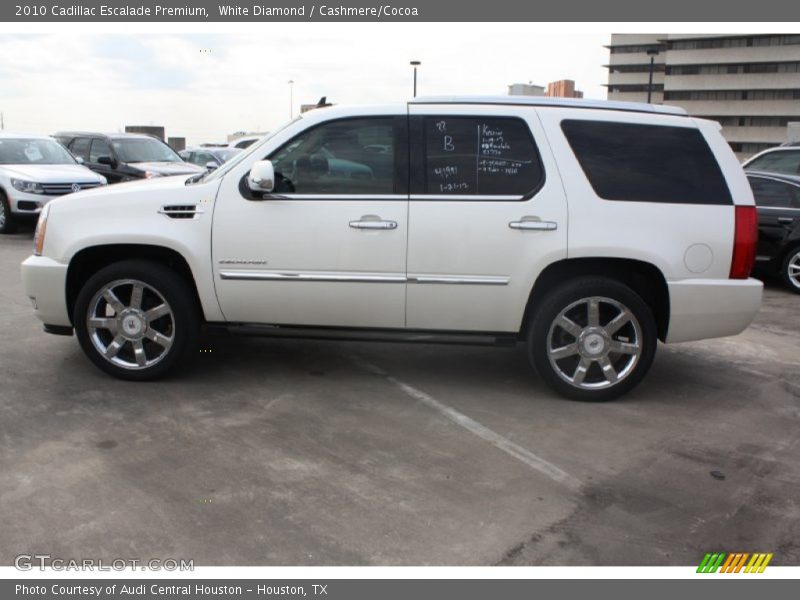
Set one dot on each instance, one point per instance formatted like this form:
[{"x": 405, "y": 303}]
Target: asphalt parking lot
[{"x": 275, "y": 452}]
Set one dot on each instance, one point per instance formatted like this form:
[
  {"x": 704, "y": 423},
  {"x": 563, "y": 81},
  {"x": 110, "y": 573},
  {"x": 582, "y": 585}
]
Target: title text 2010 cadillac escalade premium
[{"x": 588, "y": 230}]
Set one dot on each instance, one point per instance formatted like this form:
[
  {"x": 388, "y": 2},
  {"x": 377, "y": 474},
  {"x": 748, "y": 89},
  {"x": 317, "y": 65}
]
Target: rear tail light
[{"x": 745, "y": 238}]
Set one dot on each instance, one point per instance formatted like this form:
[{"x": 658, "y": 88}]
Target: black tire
[
  {"x": 7, "y": 223},
  {"x": 637, "y": 339},
  {"x": 161, "y": 286},
  {"x": 789, "y": 273}
]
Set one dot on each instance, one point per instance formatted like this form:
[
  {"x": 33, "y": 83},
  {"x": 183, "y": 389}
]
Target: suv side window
[
  {"x": 779, "y": 161},
  {"x": 80, "y": 148},
  {"x": 100, "y": 148},
  {"x": 480, "y": 156},
  {"x": 647, "y": 163},
  {"x": 347, "y": 156},
  {"x": 775, "y": 194}
]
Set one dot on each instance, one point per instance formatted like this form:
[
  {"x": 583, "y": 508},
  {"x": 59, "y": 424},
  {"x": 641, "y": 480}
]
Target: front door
[{"x": 328, "y": 246}]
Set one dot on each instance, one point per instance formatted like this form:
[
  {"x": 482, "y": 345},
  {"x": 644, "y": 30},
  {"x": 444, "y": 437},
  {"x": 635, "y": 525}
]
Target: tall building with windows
[{"x": 749, "y": 83}]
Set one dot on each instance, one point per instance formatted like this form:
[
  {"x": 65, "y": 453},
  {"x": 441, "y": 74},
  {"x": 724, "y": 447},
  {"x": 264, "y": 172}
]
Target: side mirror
[
  {"x": 79, "y": 160},
  {"x": 107, "y": 160},
  {"x": 211, "y": 165},
  {"x": 261, "y": 177}
]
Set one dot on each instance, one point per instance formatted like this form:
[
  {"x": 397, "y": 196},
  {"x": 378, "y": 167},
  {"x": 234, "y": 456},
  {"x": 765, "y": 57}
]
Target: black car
[
  {"x": 778, "y": 199},
  {"x": 125, "y": 156}
]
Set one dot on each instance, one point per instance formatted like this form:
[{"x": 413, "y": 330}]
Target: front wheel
[
  {"x": 592, "y": 339},
  {"x": 791, "y": 270},
  {"x": 7, "y": 224},
  {"x": 136, "y": 319}
]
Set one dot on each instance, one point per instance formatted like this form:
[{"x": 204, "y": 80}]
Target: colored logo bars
[{"x": 734, "y": 562}]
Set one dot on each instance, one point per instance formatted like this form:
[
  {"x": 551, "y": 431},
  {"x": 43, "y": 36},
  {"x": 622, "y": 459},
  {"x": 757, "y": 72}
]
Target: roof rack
[{"x": 551, "y": 101}]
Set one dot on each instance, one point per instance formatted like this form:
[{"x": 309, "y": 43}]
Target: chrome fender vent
[{"x": 181, "y": 211}]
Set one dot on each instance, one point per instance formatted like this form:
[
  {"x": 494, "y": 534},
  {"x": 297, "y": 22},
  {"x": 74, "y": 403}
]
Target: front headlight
[
  {"x": 28, "y": 187},
  {"x": 151, "y": 174},
  {"x": 41, "y": 229}
]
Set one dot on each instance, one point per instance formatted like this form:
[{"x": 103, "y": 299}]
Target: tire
[
  {"x": 7, "y": 224},
  {"x": 132, "y": 339},
  {"x": 574, "y": 352},
  {"x": 790, "y": 270}
]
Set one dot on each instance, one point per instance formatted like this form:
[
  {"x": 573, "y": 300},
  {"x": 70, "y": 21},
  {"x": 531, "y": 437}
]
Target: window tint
[
  {"x": 100, "y": 148},
  {"x": 768, "y": 192},
  {"x": 780, "y": 161},
  {"x": 480, "y": 156},
  {"x": 647, "y": 163},
  {"x": 80, "y": 148},
  {"x": 350, "y": 156}
]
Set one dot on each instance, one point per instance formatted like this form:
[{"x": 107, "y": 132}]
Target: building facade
[
  {"x": 749, "y": 83},
  {"x": 525, "y": 89},
  {"x": 563, "y": 88}
]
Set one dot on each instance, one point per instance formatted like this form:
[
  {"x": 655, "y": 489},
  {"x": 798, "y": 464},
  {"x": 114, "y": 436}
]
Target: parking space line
[{"x": 512, "y": 449}]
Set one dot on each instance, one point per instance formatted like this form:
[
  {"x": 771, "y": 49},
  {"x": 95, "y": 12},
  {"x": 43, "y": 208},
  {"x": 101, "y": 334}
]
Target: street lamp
[
  {"x": 415, "y": 64},
  {"x": 291, "y": 99},
  {"x": 652, "y": 53}
]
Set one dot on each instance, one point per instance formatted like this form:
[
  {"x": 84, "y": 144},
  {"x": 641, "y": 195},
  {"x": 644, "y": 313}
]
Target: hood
[
  {"x": 168, "y": 168},
  {"x": 53, "y": 173}
]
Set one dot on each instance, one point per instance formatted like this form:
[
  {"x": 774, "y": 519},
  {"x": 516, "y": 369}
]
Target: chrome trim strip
[
  {"x": 458, "y": 280},
  {"x": 791, "y": 208},
  {"x": 254, "y": 275},
  {"x": 247, "y": 275},
  {"x": 291, "y": 196},
  {"x": 465, "y": 197}
]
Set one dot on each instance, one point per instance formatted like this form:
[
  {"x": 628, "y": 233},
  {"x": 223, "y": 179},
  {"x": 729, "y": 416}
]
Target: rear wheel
[
  {"x": 592, "y": 339},
  {"x": 790, "y": 272},
  {"x": 7, "y": 224},
  {"x": 136, "y": 319}
]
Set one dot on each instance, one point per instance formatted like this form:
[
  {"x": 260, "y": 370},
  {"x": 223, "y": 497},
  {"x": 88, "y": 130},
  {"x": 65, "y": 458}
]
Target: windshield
[
  {"x": 21, "y": 151},
  {"x": 135, "y": 150},
  {"x": 231, "y": 163},
  {"x": 227, "y": 154},
  {"x": 780, "y": 161}
]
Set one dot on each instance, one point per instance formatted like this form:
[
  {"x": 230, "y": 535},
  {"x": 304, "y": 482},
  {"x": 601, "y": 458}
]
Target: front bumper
[
  {"x": 45, "y": 283},
  {"x": 709, "y": 308},
  {"x": 28, "y": 204}
]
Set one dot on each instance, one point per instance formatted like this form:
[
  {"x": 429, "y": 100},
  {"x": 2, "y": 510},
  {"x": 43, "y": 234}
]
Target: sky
[{"x": 205, "y": 86}]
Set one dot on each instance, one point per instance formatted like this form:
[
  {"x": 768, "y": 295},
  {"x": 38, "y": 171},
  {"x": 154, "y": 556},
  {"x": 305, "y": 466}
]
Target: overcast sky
[{"x": 204, "y": 86}]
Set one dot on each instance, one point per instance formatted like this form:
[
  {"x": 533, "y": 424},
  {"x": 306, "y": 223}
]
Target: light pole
[
  {"x": 291, "y": 99},
  {"x": 652, "y": 53},
  {"x": 415, "y": 64}
]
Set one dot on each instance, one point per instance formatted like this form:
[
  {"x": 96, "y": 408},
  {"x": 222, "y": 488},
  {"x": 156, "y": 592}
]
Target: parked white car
[
  {"x": 587, "y": 230},
  {"x": 34, "y": 169}
]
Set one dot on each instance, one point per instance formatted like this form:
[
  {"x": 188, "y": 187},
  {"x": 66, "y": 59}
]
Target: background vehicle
[
  {"x": 208, "y": 157},
  {"x": 34, "y": 169},
  {"x": 588, "y": 230},
  {"x": 125, "y": 156},
  {"x": 782, "y": 159},
  {"x": 245, "y": 142},
  {"x": 778, "y": 199}
]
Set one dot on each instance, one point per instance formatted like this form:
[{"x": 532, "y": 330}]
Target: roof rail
[{"x": 552, "y": 101}]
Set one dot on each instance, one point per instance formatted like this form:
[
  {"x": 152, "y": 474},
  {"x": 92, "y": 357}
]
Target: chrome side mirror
[
  {"x": 211, "y": 165},
  {"x": 261, "y": 177}
]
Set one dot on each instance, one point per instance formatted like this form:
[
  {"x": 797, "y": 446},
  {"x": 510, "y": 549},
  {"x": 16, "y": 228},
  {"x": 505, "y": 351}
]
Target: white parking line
[{"x": 522, "y": 454}]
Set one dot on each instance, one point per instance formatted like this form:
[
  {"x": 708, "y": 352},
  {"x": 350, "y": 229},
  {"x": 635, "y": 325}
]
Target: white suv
[
  {"x": 588, "y": 230},
  {"x": 34, "y": 169}
]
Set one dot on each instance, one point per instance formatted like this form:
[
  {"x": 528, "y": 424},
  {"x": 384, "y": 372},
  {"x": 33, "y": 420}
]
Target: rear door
[{"x": 487, "y": 213}]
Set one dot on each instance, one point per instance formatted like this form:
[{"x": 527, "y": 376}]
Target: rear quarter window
[{"x": 647, "y": 163}]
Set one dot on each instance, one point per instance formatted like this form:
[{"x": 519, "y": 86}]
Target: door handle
[
  {"x": 534, "y": 225},
  {"x": 785, "y": 220},
  {"x": 373, "y": 224}
]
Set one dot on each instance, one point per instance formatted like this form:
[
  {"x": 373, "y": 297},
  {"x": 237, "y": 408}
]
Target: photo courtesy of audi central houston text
[{"x": 317, "y": 295}]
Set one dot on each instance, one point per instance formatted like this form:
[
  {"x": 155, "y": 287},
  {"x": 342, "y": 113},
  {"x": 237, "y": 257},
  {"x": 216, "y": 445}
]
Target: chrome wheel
[
  {"x": 594, "y": 343},
  {"x": 793, "y": 270},
  {"x": 130, "y": 324}
]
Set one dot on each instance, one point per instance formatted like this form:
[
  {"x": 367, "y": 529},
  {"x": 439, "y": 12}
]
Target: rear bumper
[
  {"x": 709, "y": 308},
  {"x": 45, "y": 283}
]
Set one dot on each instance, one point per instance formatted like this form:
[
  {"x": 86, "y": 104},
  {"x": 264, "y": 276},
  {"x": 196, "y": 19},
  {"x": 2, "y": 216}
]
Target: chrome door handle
[
  {"x": 785, "y": 220},
  {"x": 534, "y": 225},
  {"x": 373, "y": 224}
]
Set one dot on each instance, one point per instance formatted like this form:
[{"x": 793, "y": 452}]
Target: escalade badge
[{"x": 76, "y": 188}]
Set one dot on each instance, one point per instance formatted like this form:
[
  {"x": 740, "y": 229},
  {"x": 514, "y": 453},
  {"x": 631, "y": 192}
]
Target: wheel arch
[
  {"x": 90, "y": 260},
  {"x": 644, "y": 278}
]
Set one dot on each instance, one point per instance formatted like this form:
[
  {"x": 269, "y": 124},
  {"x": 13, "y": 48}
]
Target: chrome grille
[{"x": 59, "y": 189}]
